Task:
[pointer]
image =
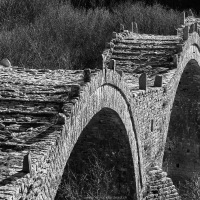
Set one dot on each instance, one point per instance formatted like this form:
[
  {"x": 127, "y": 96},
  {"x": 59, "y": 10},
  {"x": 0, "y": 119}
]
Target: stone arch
[
  {"x": 188, "y": 67},
  {"x": 190, "y": 52},
  {"x": 93, "y": 101},
  {"x": 103, "y": 146}
]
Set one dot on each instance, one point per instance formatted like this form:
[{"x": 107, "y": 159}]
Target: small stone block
[
  {"x": 107, "y": 45},
  {"x": 112, "y": 64},
  {"x": 75, "y": 90},
  {"x": 143, "y": 82},
  {"x": 103, "y": 60},
  {"x": 158, "y": 81},
  {"x": 179, "y": 31},
  {"x": 190, "y": 13},
  {"x": 183, "y": 18},
  {"x": 198, "y": 31},
  {"x": 134, "y": 27},
  {"x": 112, "y": 45},
  {"x": 114, "y": 35},
  {"x": 155, "y": 168},
  {"x": 185, "y": 33},
  {"x": 191, "y": 28},
  {"x": 120, "y": 72},
  {"x": 61, "y": 119},
  {"x": 121, "y": 28},
  {"x": 179, "y": 48},
  {"x": 2, "y": 126},
  {"x": 5, "y": 62},
  {"x": 27, "y": 163},
  {"x": 87, "y": 75},
  {"x": 195, "y": 26},
  {"x": 175, "y": 59}
]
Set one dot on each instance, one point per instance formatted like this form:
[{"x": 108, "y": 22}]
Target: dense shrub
[
  {"x": 151, "y": 19},
  {"x": 56, "y": 35},
  {"x": 15, "y": 12}
]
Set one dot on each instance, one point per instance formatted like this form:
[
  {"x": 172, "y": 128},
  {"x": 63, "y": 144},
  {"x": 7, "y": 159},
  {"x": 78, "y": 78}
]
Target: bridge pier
[
  {"x": 159, "y": 186},
  {"x": 185, "y": 32}
]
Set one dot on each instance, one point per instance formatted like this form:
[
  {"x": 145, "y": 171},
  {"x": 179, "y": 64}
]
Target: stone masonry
[{"x": 43, "y": 112}]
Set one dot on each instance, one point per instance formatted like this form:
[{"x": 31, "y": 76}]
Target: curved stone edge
[
  {"x": 48, "y": 165},
  {"x": 190, "y": 52},
  {"x": 106, "y": 85}
]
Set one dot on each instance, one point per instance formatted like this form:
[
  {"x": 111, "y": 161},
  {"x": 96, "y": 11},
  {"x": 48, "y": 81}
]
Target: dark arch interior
[
  {"x": 182, "y": 150},
  {"x": 100, "y": 165}
]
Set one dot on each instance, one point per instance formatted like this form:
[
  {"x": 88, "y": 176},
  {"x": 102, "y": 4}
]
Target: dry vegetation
[
  {"x": 96, "y": 183},
  {"x": 49, "y": 34}
]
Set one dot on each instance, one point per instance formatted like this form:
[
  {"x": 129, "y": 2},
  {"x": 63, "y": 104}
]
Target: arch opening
[
  {"x": 100, "y": 165},
  {"x": 182, "y": 153}
]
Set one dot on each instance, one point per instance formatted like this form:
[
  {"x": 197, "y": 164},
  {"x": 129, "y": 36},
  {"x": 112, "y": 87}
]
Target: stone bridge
[{"x": 43, "y": 112}]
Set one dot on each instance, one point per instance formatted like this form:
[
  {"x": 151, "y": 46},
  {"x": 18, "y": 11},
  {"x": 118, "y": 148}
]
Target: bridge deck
[{"x": 140, "y": 53}]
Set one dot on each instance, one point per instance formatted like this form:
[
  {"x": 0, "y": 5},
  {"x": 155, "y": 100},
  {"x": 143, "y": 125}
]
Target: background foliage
[{"x": 54, "y": 34}]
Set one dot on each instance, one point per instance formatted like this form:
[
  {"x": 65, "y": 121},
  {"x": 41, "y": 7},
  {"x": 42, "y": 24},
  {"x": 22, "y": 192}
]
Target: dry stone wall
[
  {"x": 43, "y": 112},
  {"x": 159, "y": 186}
]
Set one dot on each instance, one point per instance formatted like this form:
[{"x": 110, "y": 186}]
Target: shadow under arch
[
  {"x": 182, "y": 150},
  {"x": 101, "y": 161}
]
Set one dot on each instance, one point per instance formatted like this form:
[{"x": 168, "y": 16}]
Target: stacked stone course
[{"x": 159, "y": 186}]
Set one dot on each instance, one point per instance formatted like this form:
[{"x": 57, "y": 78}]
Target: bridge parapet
[{"x": 34, "y": 106}]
